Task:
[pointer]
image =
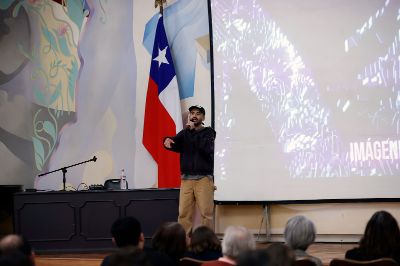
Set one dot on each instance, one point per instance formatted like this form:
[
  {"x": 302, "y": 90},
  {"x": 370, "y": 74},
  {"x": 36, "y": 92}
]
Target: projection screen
[{"x": 306, "y": 99}]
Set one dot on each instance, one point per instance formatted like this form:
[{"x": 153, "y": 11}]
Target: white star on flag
[{"x": 161, "y": 57}]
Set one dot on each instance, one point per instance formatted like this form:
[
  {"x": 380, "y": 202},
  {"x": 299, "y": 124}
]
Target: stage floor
[{"x": 326, "y": 252}]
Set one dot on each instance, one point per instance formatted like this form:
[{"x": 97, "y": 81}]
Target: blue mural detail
[{"x": 184, "y": 21}]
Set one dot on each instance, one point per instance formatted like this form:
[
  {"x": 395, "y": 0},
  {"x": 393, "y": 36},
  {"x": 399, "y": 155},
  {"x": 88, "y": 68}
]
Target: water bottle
[{"x": 122, "y": 182}]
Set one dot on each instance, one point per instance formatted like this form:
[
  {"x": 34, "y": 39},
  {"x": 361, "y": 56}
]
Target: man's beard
[{"x": 197, "y": 122}]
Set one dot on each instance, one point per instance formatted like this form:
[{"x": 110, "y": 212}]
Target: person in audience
[
  {"x": 132, "y": 256},
  {"x": 170, "y": 239},
  {"x": 381, "y": 239},
  {"x": 237, "y": 239},
  {"x": 204, "y": 245},
  {"x": 299, "y": 235},
  {"x": 126, "y": 234},
  {"x": 15, "y": 258},
  {"x": 13, "y": 244},
  {"x": 280, "y": 255},
  {"x": 127, "y": 231},
  {"x": 257, "y": 257}
]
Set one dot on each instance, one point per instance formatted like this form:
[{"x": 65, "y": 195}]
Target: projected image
[{"x": 318, "y": 80}]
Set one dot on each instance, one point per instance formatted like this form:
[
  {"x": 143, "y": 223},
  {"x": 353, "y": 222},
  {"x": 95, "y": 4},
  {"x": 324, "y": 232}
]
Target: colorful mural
[
  {"x": 44, "y": 42},
  {"x": 72, "y": 78}
]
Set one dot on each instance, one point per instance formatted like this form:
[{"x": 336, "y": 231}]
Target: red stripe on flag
[{"x": 158, "y": 124}]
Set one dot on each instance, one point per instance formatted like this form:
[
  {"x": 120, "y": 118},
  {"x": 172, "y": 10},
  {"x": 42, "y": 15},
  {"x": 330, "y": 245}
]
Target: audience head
[
  {"x": 170, "y": 238},
  {"x": 131, "y": 256},
  {"x": 126, "y": 231},
  {"x": 237, "y": 239},
  {"x": 12, "y": 243},
  {"x": 280, "y": 255},
  {"x": 16, "y": 258},
  {"x": 299, "y": 232},
  {"x": 253, "y": 258},
  {"x": 203, "y": 238},
  {"x": 382, "y": 235}
]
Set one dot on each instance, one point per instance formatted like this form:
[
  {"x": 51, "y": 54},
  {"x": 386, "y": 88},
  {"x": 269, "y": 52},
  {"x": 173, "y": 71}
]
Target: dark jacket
[
  {"x": 196, "y": 148},
  {"x": 154, "y": 257},
  {"x": 206, "y": 255},
  {"x": 360, "y": 254}
]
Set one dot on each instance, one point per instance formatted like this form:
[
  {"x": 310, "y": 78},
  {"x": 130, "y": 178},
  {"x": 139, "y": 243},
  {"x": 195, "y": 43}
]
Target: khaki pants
[{"x": 201, "y": 193}]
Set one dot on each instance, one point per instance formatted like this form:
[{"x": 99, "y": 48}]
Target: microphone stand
[{"x": 64, "y": 170}]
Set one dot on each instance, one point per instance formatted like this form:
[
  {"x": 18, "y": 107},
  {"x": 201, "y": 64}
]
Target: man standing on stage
[{"x": 195, "y": 144}]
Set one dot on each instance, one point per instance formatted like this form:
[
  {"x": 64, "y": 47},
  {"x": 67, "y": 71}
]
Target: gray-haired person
[
  {"x": 299, "y": 235},
  {"x": 237, "y": 239}
]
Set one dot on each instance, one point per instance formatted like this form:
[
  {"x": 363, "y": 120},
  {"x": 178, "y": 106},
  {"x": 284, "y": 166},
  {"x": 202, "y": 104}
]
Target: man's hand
[
  {"x": 168, "y": 143},
  {"x": 190, "y": 125}
]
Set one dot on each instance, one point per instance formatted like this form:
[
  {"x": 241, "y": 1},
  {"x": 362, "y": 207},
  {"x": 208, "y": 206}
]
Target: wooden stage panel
[
  {"x": 152, "y": 222},
  {"x": 64, "y": 221},
  {"x": 60, "y": 215},
  {"x": 93, "y": 213}
]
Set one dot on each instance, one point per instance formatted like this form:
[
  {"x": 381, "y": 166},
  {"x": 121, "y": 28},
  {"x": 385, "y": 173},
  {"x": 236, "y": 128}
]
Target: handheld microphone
[{"x": 188, "y": 125}]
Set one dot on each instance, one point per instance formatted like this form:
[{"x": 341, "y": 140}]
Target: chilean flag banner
[{"x": 163, "y": 115}]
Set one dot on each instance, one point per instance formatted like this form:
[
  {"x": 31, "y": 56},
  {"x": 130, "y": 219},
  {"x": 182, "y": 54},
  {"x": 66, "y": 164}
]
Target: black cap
[{"x": 198, "y": 107}]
